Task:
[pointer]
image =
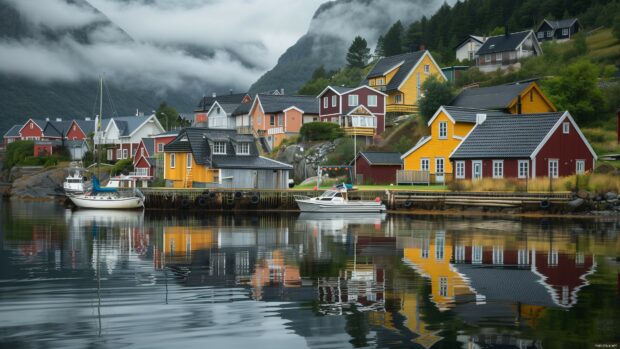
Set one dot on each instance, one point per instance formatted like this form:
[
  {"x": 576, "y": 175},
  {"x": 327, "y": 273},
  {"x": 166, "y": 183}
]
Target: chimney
[
  {"x": 58, "y": 119},
  {"x": 47, "y": 119},
  {"x": 480, "y": 118},
  {"x": 282, "y": 91},
  {"x": 87, "y": 118},
  {"x": 422, "y": 47},
  {"x": 519, "y": 105},
  {"x": 230, "y": 91},
  {"x": 214, "y": 95}
]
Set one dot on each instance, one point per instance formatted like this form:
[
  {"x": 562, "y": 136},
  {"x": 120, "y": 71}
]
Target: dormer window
[
  {"x": 380, "y": 81},
  {"x": 219, "y": 148},
  {"x": 243, "y": 148}
]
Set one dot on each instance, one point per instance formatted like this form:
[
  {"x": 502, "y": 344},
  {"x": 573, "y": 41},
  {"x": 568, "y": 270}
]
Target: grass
[
  {"x": 602, "y": 139},
  {"x": 598, "y": 183},
  {"x": 602, "y": 45},
  {"x": 432, "y": 187}
]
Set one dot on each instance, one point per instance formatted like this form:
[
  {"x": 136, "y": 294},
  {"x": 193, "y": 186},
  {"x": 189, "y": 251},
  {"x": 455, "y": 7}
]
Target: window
[
  {"x": 243, "y": 149},
  {"x": 142, "y": 151},
  {"x": 398, "y": 99},
  {"x": 110, "y": 155},
  {"x": 280, "y": 119},
  {"x": 218, "y": 110},
  {"x": 552, "y": 258},
  {"x": 219, "y": 148},
  {"x": 142, "y": 171},
  {"x": 523, "y": 257},
  {"x": 476, "y": 254},
  {"x": 524, "y": 169},
  {"x": 334, "y": 100},
  {"x": 125, "y": 153},
  {"x": 380, "y": 82},
  {"x": 427, "y": 69},
  {"x": 173, "y": 160},
  {"x": 459, "y": 253},
  {"x": 487, "y": 58},
  {"x": 460, "y": 169},
  {"x": 443, "y": 130},
  {"x": 512, "y": 55},
  {"x": 353, "y": 100},
  {"x": 372, "y": 101},
  {"x": 541, "y": 35},
  {"x": 260, "y": 119},
  {"x": 424, "y": 164},
  {"x": 532, "y": 96},
  {"x": 565, "y": 127},
  {"x": 31, "y": 125},
  {"x": 498, "y": 168},
  {"x": 119, "y": 154},
  {"x": 418, "y": 84},
  {"x": 160, "y": 147},
  {"x": 565, "y": 32},
  {"x": 426, "y": 246},
  {"x": 580, "y": 167},
  {"x": 443, "y": 286},
  {"x": 325, "y": 102},
  {"x": 498, "y": 57},
  {"x": 549, "y": 33},
  {"x": 188, "y": 160},
  {"x": 439, "y": 166},
  {"x": 553, "y": 168},
  {"x": 272, "y": 120},
  {"x": 440, "y": 243},
  {"x": 74, "y": 128},
  {"x": 498, "y": 255}
]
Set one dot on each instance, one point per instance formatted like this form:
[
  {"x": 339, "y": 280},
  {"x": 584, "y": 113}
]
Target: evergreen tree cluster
[{"x": 450, "y": 24}]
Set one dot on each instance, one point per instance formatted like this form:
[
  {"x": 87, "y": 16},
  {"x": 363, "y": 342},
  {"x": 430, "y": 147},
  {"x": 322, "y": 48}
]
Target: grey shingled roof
[
  {"x": 13, "y": 131},
  {"x": 493, "y": 97},
  {"x": 227, "y": 98},
  {"x": 408, "y": 60},
  {"x": 276, "y": 104},
  {"x": 503, "y": 42},
  {"x": 563, "y": 23},
  {"x": 57, "y": 128},
  {"x": 149, "y": 144},
  {"x": 382, "y": 157},
  {"x": 499, "y": 137},
  {"x": 341, "y": 89},
  {"x": 228, "y": 107},
  {"x": 460, "y": 114},
  {"x": 87, "y": 126},
  {"x": 125, "y": 124},
  {"x": 242, "y": 109},
  {"x": 198, "y": 141}
]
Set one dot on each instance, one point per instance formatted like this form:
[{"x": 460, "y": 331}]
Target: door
[
  {"x": 439, "y": 170},
  {"x": 476, "y": 170}
]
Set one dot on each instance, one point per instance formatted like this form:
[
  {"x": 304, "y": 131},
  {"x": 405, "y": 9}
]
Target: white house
[
  {"x": 120, "y": 136},
  {"x": 466, "y": 49}
]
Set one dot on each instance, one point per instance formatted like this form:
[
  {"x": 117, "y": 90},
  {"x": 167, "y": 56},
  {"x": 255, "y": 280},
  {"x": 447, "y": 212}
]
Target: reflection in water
[{"x": 123, "y": 279}]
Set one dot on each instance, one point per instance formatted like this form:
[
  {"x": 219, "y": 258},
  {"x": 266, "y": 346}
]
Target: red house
[
  {"x": 340, "y": 105},
  {"x": 164, "y": 138},
  {"x": 74, "y": 130},
  {"x": 43, "y": 148},
  {"x": 144, "y": 161},
  {"x": 32, "y": 130},
  {"x": 564, "y": 274},
  {"x": 377, "y": 167},
  {"x": 523, "y": 146}
]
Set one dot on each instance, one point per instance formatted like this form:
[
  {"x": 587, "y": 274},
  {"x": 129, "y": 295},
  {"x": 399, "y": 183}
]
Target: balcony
[
  {"x": 359, "y": 131},
  {"x": 358, "y": 125},
  {"x": 402, "y": 108},
  {"x": 245, "y": 130}
]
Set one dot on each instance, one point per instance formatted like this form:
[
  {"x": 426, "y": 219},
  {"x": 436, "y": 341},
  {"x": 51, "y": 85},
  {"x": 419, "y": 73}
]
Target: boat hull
[
  {"x": 104, "y": 202},
  {"x": 349, "y": 206}
]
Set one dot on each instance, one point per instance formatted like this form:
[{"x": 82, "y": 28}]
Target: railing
[
  {"x": 273, "y": 131},
  {"x": 359, "y": 131},
  {"x": 245, "y": 130},
  {"x": 413, "y": 177},
  {"x": 402, "y": 108}
]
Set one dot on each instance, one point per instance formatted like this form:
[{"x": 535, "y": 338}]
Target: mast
[{"x": 99, "y": 124}]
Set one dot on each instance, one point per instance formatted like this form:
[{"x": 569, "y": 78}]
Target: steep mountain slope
[{"x": 332, "y": 30}]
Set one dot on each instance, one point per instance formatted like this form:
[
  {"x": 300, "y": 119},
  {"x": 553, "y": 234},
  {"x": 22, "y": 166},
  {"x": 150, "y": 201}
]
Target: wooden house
[
  {"x": 360, "y": 111},
  {"x": 507, "y": 50},
  {"x": 561, "y": 30},
  {"x": 523, "y": 146},
  {"x": 516, "y": 98},
  {"x": 144, "y": 162},
  {"x": 401, "y": 77},
  {"x": 11, "y": 135},
  {"x": 120, "y": 136},
  {"x": 373, "y": 167},
  {"x": 217, "y": 158},
  {"x": 225, "y": 101},
  {"x": 467, "y": 48}
]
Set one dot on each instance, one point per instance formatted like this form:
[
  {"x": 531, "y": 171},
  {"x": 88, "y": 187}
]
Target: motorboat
[
  {"x": 76, "y": 182},
  {"x": 337, "y": 201},
  {"x": 109, "y": 198}
]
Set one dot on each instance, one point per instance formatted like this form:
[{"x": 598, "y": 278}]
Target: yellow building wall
[
  {"x": 178, "y": 174},
  {"x": 532, "y": 102},
  {"x": 410, "y": 89},
  {"x": 184, "y": 240},
  {"x": 438, "y": 148}
]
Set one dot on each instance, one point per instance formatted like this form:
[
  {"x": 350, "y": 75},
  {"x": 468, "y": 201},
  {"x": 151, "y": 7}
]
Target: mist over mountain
[{"x": 332, "y": 29}]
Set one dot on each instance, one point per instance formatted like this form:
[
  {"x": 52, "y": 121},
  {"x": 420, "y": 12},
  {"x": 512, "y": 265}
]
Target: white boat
[
  {"x": 76, "y": 182},
  {"x": 107, "y": 201},
  {"x": 337, "y": 201}
]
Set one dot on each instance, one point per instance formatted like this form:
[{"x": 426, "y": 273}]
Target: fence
[{"x": 413, "y": 177}]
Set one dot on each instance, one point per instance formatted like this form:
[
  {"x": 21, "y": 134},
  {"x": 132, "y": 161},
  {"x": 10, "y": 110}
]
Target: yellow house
[
  {"x": 448, "y": 127},
  {"x": 518, "y": 98},
  {"x": 401, "y": 77},
  {"x": 218, "y": 158}
]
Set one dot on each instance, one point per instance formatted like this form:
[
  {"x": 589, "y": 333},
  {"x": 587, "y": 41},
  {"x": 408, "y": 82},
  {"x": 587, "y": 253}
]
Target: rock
[
  {"x": 584, "y": 194},
  {"x": 46, "y": 184},
  {"x": 611, "y": 196},
  {"x": 306, "y": 162},
  {"x": 576, "y": 203}
]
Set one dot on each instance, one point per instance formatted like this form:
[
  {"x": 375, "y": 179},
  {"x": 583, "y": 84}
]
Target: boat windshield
[{"x": 331, "y": 194}]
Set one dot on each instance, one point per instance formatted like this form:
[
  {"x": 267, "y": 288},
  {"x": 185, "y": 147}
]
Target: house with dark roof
[
  {"x": 360, "y": 111},
  {"x": 231, "y": 100},
  {"x": 32, "y": 130},
  {"x": 219, "y": 158},
  {"x": 516, "y": 98},
  {"x": 375, "y": 167},
  {"x": 523, "y": 146},
  {"x": 11, "y": 135},
  {"x": 507, "y": 50},
  {"x": 276, "y": 117},
  {"x": 144, "y": 162},
  {"x": 467, "y": 48},
  {"x": 561, "y": 30},
  {"x": 120, "y": 136},
  {"x": 68, "y": 129},
  {"x": 401, "y": 77}
]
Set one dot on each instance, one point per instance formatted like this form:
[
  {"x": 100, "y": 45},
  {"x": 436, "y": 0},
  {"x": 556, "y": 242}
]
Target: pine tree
[
  {"x": 359, "y": 53},
  {"x": 379, "y": 52},
  {"x": 392, "y": 41}
]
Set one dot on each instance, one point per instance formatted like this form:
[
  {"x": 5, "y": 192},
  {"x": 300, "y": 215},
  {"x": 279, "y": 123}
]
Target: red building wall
[
  {"x": 363, "y": 94},
  {"x": 31, "y": 129},
  {"x": 142, "y": 163},
  {"x": 164, "y": 141},
  {"x": 329, "y": 110},
  {"x": 42, "y": 149},
  {"x": 75, "y": 132},
  {"x": 566, "y": 148},
  {"x": 378, "y": 174},
  {"x": 511, "y": 167}
]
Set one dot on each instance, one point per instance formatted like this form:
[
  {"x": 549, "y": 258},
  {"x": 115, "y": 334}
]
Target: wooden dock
[{"x": 279, "y": 200}]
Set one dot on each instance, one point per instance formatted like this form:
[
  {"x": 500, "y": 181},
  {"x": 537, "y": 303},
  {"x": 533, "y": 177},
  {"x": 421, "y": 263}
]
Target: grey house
[
  {"x": 233, "y": 159},
  {"x": 557, "y": 30}
]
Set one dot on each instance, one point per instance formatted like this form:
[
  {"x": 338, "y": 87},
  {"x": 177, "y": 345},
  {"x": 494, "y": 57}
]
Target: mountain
[{"x": 332, "y": 29}]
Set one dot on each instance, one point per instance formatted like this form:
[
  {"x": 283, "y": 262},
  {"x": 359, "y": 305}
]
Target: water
[{"x": 126, "y": 279}]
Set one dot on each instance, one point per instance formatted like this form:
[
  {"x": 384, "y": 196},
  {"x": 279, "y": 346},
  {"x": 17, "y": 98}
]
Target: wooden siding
[
  {"x": 75, "y": 132},
  {"x": 533, "y": 101},
  {"x": 178, "y": 175},
  {"x": 409, "y": 88},
  {"x": 376, "y": 174},
  {"x": 35, "y": 132}
]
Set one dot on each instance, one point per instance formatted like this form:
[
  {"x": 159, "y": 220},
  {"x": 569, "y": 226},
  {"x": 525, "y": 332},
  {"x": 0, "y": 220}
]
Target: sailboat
[{"x": 103, "y": 197}]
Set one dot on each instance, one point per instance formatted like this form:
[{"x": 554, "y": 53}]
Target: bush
[
  {"x": 32, "y": 161},
  {"x": 17, "y": 151},
  {"x": 49, "y": 161},
  {"x": 321, "y": 131},
  {"x": 122, "y": 166}
]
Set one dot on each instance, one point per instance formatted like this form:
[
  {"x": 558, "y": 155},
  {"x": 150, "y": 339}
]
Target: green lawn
[{"x": 433, "y": 187}]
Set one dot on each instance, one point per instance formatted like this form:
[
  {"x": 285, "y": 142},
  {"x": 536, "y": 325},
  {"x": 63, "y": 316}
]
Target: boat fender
[
  {"x": 255, "y": 199},
  {"x": 238, "y": 195},
  {"x": 185, "y": 203},
  {"x": 201, "y": 201},
  {"x": 408, "y": 204},
  {"x": 212, "y": 195},
  {"x": 545, "y": 204},
  {"x": 378, "y": 199}
]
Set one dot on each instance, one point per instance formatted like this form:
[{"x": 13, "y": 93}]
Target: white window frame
[
  {"x": 398, "y": 99},
  {"x": 334, "y": 100},
  {"x": 125, "y": 153},
  {"x": 549, "y": 33},
  {"x": 218, "y": 149},
  {"x": 498, "y": 169},
  {"x": 556, "y": 172},
  {"x": 380, "y": 82},
  {"x": 541, "y": 35},
  {"x": 425, "y": 162},
  {"x": 477, "y": 253},
  {"x": 119, "y": 153},
  {"x": 565, "y": 31},
  {"x": 31, "y": 126},
  {"x": 566, "y": 127},
  {"x": 580, "y": 166},
  {"x": 459, "y": 169},
  {"x": 443, "y": 286},
  {"x": 353, "y": 100},
  {"x": 325, "y": 102},
  {"x": 512, "y": 55},
  {"x": 243, "y": 148},
  {"x": 473, "y": 169},
  {"x": 487, "y": 58},
  {"x": 526, "y": 167},
  {"x": 110, "y": 154},
  {"x": 427, "y": 69},
  {"x": 372, "y": 100},
  {"x": 443, "y": 130},
  {"x": 188, "y": 160},
  {"x": 498, "y": 255},
  {"x": 498, "y": 57},
  {"x": 173, "y": 160},
  {"x": 160, "y": 147},
  {"x": 443, "y": 166}
]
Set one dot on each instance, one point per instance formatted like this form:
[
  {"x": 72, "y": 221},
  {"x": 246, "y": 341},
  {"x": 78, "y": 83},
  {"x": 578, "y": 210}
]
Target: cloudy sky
[{"x": 162, "y": 43}]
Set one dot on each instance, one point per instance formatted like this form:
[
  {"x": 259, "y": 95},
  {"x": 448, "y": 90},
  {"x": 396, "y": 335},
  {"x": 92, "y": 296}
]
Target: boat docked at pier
[
  {"x": 76, "y": 182},
  {"x": 332, "y": 201},
  {"x": 108, "y": 198}
]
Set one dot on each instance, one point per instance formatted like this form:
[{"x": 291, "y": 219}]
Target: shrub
[
  {"x": 49, "y": 161},
  {"x": 31, "y": 161},
  {"x": 321, "y": 131},
  {"x": 17, "y": 151},
  {"x": 122, "y": 166}
]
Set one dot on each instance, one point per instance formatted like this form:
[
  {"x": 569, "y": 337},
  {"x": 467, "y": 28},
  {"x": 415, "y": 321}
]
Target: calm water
[{"x": 117, "y": 279}]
